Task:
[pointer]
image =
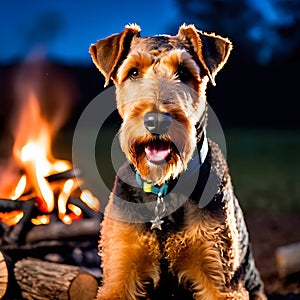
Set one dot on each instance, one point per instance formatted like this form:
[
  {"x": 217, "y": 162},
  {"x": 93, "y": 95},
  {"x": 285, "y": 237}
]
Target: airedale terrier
[{"x": 187, "y": 249}]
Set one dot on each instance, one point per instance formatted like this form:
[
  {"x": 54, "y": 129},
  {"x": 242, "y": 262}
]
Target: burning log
[
  {"x": 288, "y": 259},
  {"x": 88, "y": 212},
  {"x": 43, "y": 280},
  {"x": 27, "y": 210},
  {"x": 7, "y": 205},
  {"x": 16, "y": 235},
  {"x": 72, "y": 173},
  {"x": 60, "y": 231}
]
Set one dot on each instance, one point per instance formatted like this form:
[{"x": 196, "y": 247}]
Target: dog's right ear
[{"x": 108, "y": 52}]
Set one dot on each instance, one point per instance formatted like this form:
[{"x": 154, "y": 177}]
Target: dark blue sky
[{"x": 64, "y": 29}]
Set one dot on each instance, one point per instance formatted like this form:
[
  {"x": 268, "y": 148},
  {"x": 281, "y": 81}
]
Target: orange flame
[
  {"x": 32, "y": 149},
  {"x": 20, "y": 188},
  {"x": 40, "y": 111},
  {"x": 63, "y": 198},
  {"x": 41, "y": 220},
  {"x": 11, "y": 218},
  {"x": 90, "y": 200}
]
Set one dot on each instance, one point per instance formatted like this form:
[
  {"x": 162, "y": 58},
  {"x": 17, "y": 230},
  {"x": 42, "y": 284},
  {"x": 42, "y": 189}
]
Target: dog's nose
[{"x": 157, "y": 123}]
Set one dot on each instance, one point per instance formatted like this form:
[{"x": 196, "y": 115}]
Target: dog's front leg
[
  {"x": 198, "y": 267},
  {"x": 130, "y": 260},
  {"x": 196, "y": 259}
]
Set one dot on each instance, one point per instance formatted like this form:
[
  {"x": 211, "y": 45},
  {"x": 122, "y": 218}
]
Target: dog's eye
[
  {"x": 183, "y": 74},
  {"x": 134, "y": 74}
]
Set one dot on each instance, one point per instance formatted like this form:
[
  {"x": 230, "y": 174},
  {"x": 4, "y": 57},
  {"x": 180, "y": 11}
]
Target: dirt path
[{"x": 268, "y": 231}]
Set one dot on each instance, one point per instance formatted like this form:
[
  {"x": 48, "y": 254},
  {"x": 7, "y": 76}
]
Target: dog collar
[
  {"x": 149, "y": 187},
  {"x": 161, "y": 192},
  {"x": 198, "y": 160}
]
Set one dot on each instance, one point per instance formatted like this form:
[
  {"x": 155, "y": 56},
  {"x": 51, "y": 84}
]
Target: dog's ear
[
  {"x": 108, "y": 52},
  {"x": 212, "y": 50}
]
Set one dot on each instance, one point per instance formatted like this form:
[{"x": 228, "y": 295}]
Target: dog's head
[{"x": 160, "y": 89}]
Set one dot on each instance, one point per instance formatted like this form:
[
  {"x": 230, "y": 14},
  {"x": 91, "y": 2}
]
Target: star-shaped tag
[{"x": 156, "y": 223}]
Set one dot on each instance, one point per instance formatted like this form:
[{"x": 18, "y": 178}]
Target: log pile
[
  {"x": 26, "y": 273},
  {"x": 41, "y": 280},
  {"x": 26, "y": 232}
]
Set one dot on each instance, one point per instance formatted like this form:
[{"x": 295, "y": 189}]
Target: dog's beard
[
  {"x": 159, "y": 172},
  {"x": 158, "y": 159}
]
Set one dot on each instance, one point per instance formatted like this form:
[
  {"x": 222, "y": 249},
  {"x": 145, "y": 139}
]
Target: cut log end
[
  {"x": 288, "y": 259},
  {"x": 3, "y": 275},
  {"x": 46, "y": 280},
  {"x": 83, "y": 287}
]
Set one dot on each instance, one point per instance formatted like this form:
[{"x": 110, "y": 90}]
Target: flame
[
  {"x": 11, "y": 182},
  {"x": 36, "y": 165},
  {"x": 40, "y": 111},
  {"x": 32, "y": 149},
  {"x": 90, "y": 200},
  {"x": 75, "y": 209},
  {"x": 11, "y": 218},
  {"x": 20, "y": 188},
  {"x": 63, "y": 198},
  {"x": 67, "y": 219},
  {"x": 41, "y": 220}
]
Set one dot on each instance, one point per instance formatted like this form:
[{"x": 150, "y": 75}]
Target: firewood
[
  {"x": 43, "y": 280},
  {"x": 72, "y": 173},
  {"x": 8, "y": 284},
  {"x": 3, "y": 276},
  {"x": 16, "y": 234},
  {"x": 288, "y": 259},
  {"x": 61, "y": 231}
]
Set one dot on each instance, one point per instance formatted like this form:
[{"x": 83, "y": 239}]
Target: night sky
[
  {"x": 63, "y": 30},
  {"x": 265, "y": 35}
]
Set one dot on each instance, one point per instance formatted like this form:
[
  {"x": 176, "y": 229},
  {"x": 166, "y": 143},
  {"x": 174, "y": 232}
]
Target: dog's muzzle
[{"x": 157, "y": 150}]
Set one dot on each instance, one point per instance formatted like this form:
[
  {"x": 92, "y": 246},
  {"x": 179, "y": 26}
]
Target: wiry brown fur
[
  {"x": 131, "y": 260},
  {"x": 206, "y": 248}
]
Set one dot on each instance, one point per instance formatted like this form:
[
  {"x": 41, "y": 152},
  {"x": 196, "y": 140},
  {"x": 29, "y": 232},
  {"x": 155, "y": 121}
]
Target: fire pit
[{"x": 48, "y": 226}]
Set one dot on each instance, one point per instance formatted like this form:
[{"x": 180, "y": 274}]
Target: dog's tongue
[{"x": 157, "y": 151}]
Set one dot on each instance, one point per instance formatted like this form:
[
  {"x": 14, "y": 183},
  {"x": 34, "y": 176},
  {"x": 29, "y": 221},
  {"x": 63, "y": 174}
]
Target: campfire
[{"x": 43, "y": 212}]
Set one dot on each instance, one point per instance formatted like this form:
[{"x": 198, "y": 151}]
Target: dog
[{"x": 178, "y": 246}]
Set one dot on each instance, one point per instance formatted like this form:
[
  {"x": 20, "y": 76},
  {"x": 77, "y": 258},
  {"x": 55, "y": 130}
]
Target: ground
[{"x": 269, "y": 231}]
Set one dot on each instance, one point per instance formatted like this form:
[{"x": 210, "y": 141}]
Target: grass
[{"x": 265, "y": 168}]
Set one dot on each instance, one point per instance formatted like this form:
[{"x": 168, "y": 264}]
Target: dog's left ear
[
  {"x": 212, "y": 50},
  {"x": 108, "y": 52}
]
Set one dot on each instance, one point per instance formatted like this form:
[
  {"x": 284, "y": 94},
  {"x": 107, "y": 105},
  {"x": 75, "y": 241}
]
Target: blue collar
[{"x": 148, "y": 187}]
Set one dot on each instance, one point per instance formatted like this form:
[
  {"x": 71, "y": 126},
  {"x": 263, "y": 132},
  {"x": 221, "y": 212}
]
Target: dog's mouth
[{"x": 158, "y": 151}]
